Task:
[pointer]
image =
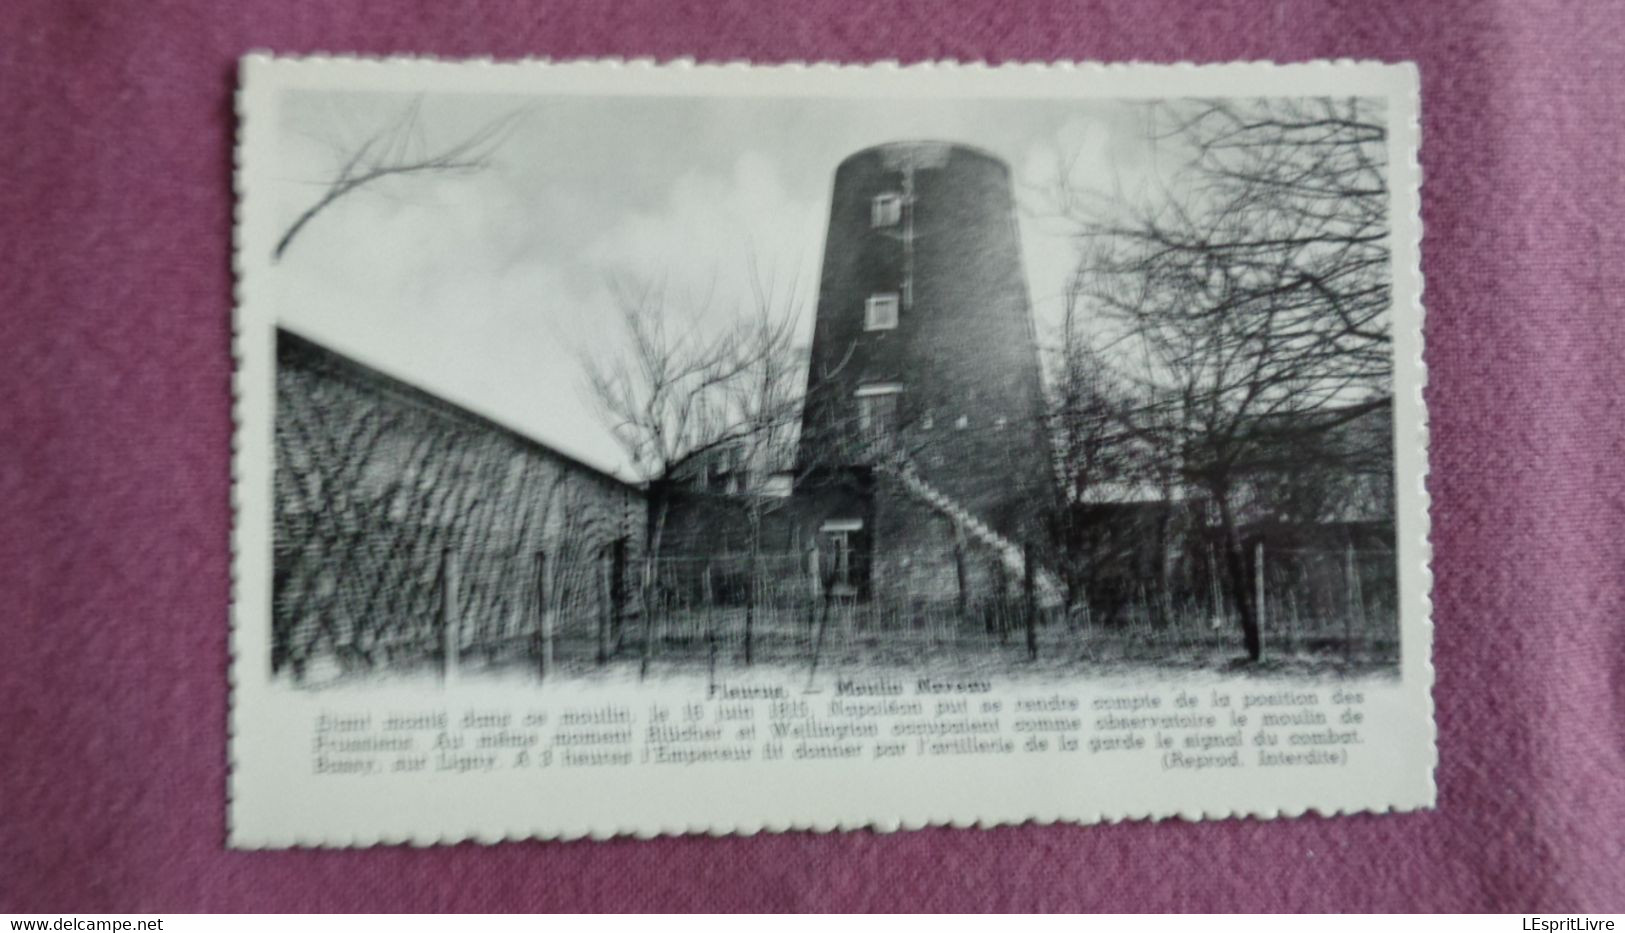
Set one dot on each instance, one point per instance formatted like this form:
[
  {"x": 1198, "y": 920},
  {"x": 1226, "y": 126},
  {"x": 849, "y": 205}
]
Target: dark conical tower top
[{"x": 924, "y": 333}]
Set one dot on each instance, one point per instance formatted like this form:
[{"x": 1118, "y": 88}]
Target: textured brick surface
[
  {"x": 965, "y": 349},
  {"x": 377, "y": 482},
  {"x": 115, "y": 287}
]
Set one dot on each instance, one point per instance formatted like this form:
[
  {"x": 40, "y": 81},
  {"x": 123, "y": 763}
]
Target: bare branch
[{"x": 400, "y": 148}]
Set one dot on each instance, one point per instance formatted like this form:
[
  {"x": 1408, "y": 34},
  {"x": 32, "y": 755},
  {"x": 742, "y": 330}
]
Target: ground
[{"x": 703, "y": 645}]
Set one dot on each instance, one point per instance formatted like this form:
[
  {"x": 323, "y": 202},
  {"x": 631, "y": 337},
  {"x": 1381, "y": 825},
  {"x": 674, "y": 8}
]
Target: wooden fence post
[
  {"x": 1221, "y": 612},
  {"x": 606, "y": 601},
  {"x": 814, "y": 570},
  {"x": 544, "y": 619},
  {"x": 1355, "y": 611},
  {"x": 999, "y": 621},
  {"x": 450, "y": 629},
  {"x": 814, "y": 589},
  {"x": 708, "y": 600},
  {"x": 962, "y": 604},
  {"x": 822, "y": 618},
  {"x": 751, "y": 574},
  {"x": 1030, "y": 598},
  {"x": 617, "y": 590}
]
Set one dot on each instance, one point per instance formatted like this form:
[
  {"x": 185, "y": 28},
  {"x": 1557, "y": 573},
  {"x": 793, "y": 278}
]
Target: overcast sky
[{"x": 485, "y": 288}]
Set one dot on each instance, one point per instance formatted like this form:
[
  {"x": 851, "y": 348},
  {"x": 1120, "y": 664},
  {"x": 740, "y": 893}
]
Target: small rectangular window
[
  {"x": 880, "y": 312},
  {"x": 877, "y": 410},
  {"x": 886, "y": 210},
  {"x": 877, "y": 415}
]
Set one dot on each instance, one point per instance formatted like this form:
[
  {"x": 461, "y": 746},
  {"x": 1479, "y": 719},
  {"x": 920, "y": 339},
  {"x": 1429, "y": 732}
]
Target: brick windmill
[{"x": 923, "y": 458}]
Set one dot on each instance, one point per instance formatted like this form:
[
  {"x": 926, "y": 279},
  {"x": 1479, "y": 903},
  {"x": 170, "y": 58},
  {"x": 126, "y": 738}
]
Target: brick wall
[{"x": 376, "y": 481}]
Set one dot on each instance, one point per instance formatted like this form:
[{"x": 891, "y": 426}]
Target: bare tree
[
  {"x": 674, "y": 395},
  {"x": 399, "y": 148},
  {"x": 1255, "y": 286},
  {"x": 1101, "y": 459}
]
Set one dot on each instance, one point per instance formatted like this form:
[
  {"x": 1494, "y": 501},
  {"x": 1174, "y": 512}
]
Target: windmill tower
[{"x": 923, "y": 437}]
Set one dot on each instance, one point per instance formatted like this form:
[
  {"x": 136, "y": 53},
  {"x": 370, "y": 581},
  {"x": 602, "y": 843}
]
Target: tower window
[
  {"x": 962, "y": 422},
  {"x": 886, "y": 210},
  {"x": 880, "y": 312}
]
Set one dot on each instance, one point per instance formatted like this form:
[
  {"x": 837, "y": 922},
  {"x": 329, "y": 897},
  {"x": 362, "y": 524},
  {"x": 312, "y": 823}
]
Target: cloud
[
  {"x": 421, "y": 281},
  {"x": 442, "y": 281},
  {"x": 1102, "y": 154},
  {"x": 489, "y": 288},
  {"x": 703, "y": 240}
]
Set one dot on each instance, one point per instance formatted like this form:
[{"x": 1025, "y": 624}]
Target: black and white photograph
[{"x": 653, "y": 385}]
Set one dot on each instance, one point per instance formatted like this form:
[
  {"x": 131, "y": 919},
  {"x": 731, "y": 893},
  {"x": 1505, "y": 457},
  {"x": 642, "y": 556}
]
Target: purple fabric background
[{"x": 115, "y": 289}]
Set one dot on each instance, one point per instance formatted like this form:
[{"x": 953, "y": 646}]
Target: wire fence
[
  {"x": 1338, "y": 606},
  {"x": 411, "y": 535},
  {"x": 780, "y": 608},
  {"x": 1329, "y": 606},
  {"x": 398, "y": 600}
]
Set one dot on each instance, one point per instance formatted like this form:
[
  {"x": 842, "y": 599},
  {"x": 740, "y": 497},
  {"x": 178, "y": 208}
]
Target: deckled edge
[
  {"x": 239, "y": 293},
  {"x": 238, "y": 195},
  {"x": 746, "y": 828},
  {"x": 1423, "y": 438},
  {"x": 684, "y": 62}
]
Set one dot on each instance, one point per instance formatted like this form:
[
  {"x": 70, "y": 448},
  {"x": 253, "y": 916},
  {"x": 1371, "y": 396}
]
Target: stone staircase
[{"x": 1010, "y": 554}]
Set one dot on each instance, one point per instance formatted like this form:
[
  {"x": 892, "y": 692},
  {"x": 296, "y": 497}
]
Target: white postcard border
[{"x": 809, "y": 796}]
